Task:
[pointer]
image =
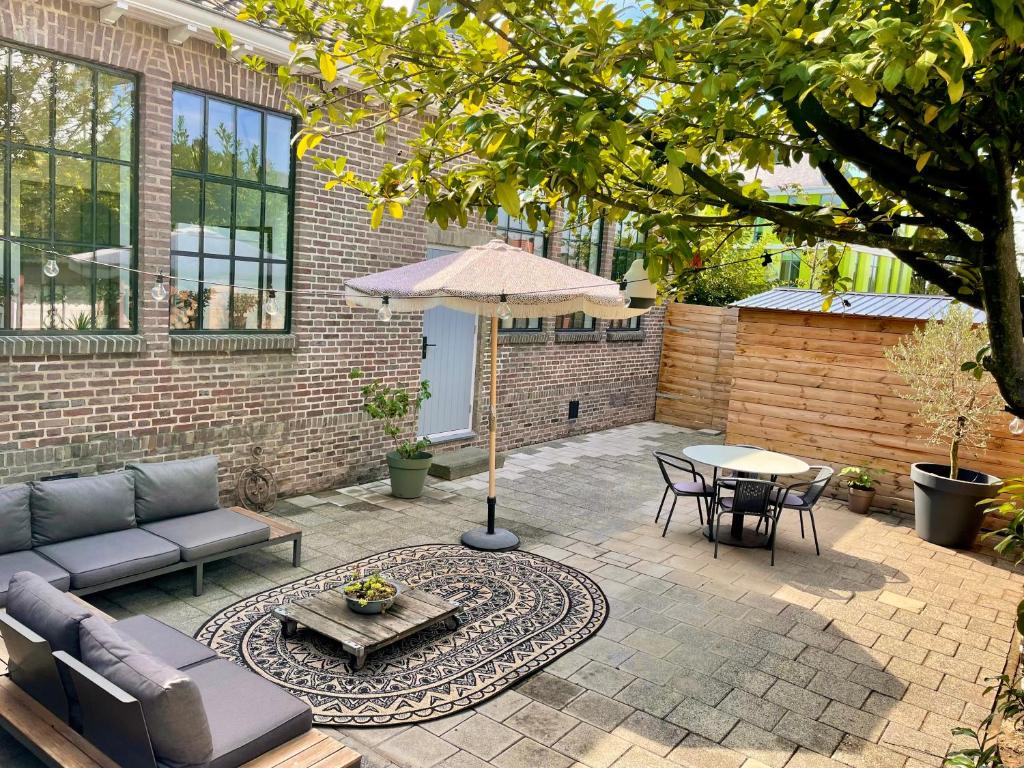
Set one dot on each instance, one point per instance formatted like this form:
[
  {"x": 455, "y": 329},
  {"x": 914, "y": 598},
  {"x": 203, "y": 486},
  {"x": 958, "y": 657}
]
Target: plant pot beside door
[
  {"x": 397, "y": 409},
  {"x": 947, "y": 511}
]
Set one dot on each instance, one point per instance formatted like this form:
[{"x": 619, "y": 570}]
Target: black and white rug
[{"x": 520, "y": 612}]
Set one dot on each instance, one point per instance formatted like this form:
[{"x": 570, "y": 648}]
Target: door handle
[{"x": 425, "y": 345}]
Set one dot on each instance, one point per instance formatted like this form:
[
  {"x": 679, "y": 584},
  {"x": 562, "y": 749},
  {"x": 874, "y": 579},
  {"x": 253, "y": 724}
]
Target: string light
[
  {"x": 766, "y": 260},
  {"x": 504, "y": 310},
  {"x": 384, "y": 313},
  {"x": 51, "y": 268},
  {"x": 159, "y": 289},
  {"x": 623, "y": 287},
  {"x": 270, "y": 305},
  {"x": 1016, "y": 426}
]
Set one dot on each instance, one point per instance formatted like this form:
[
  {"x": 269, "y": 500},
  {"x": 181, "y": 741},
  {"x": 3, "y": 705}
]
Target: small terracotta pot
[{"x": 860, "y": 500}]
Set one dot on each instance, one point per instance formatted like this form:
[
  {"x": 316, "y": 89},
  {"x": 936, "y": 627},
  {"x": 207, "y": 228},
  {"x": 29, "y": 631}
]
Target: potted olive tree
[
  {"x": 861, "y": 484},
  {"x": 396, "y": 408},
  {"x": 957, "y": 401}
]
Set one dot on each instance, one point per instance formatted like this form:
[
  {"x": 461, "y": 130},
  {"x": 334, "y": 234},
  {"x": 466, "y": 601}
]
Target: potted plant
[
  {"x": 861, "y": 484},
  {"x": 958, "y": 401},
  {"x": 397, "y": 408},
  {"x": 370, "y": 594}
]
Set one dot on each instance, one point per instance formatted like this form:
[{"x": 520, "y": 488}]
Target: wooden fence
[
  {"x": 696, "y": 366},
  {"x": 819, "y": 387}
]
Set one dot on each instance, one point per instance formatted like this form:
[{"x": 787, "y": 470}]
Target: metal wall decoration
[{"x": 257, "y": 488}]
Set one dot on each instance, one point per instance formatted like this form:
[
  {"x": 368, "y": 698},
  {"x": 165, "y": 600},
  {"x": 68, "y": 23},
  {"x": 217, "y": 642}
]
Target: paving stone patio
[{"x": 865, "y": 656}]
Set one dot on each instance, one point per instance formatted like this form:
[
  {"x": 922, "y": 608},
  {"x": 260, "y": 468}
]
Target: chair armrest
[
  {"x": 112, "y": 718},
  {"x": 31, "y": 666}
]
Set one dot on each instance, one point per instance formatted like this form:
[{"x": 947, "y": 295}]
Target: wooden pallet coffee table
[{"x": 359, "y": 634}]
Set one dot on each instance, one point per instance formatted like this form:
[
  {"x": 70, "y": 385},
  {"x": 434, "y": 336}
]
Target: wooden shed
[{"x": 815, "y": 383}]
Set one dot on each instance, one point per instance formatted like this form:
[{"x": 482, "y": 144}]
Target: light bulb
[
  {"x": 1016, "y": 426},
  {"x": 504, "y": 310},
  {"x": 159, "y": 290},
  {"x": 51, "y": 269},
  {"x": 270, "y": 305},
  {"x": 384, "y": 313},
  {"x": 626, "y": 300}
]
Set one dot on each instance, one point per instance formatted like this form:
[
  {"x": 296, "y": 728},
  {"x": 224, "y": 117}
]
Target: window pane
[
  {"x": 250, "y": 144},
  {"x": 275, "y": 226},
  {"x": 184, "y": 293},
  {"x": 279, "y": 150},
  {"x": 247, "y": 223},
  {"x": 74, "y": 107},
  {"x": 73, "y": 200},
  {"x": 113, "y": 289},
  {"x": 115, "y": 115},
  {"x": 187, "y": 133},
  {"x": 216, "y": 279},
  {"x": 72, "y": 292},
  {"x": 275, "y": 277},
  {"x": 30, "y": 194},
  {"x": 185, "y": 226},
  {"x": 220, "y": 138},
  {"x": 217, "y": 232},
  {"x": 30, "y": 98},
  {"x": 114, "y": 204},
  {"x": 246, "y": 299},
  {"x": 27, "y": 304}
]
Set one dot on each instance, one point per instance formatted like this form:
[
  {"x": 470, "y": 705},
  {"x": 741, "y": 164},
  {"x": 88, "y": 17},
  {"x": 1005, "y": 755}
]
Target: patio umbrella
[{"x": 499, "y": 280}]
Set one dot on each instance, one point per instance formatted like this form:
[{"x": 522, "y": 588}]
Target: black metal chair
[
  {"x": 729, "y": 481},
  {"x": 695, "y": 487},
  {"x": 751, "y": 497},
  {"x": 802, "y": 497}
]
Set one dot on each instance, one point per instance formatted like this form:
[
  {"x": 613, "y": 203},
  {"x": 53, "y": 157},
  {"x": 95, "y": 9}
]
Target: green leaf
[
  {"x": 377, "y": 216},
  {"x": 328, "y": 67},
  {"x": 675, "y": 180},
  {"x": 395, "y": 209},
  {"x": 617, "y": 136},
  {"x": 508, "y": 196},
  {"x": 956, "y": 90},
  {"x": 864, "y": 93}
]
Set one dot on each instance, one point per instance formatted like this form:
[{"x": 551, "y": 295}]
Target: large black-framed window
[
  {"x": 68, "y": 166},
  {"x": 517, "y": 232},
  {"x": 231, "y": 215},
  {"x": 581, "y": 248},
  {"x": 630, "y": 245}
]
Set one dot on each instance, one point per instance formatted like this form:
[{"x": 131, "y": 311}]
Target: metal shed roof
[{"x": 902, "y": 306}]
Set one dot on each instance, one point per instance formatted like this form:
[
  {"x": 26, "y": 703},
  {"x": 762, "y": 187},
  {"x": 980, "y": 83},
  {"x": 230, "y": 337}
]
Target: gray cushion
[
  {"x": 172, "y": 488},
  {"x": 209, "y": 533},
  {"x": 13, "y": 562},
  {"x": 172, "y": 647},
  {"x": 248, "y": 715},
  {"x": 82, "y": 506},
  {"x": 15, "y": 518},
  {"x": 109, "y": 556},
  {"x": 47, "y": 611},
  {"x": 170, "y": 701}
]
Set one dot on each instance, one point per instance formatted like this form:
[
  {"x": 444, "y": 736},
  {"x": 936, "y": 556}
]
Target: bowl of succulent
[{"x": 371, "y": 593}]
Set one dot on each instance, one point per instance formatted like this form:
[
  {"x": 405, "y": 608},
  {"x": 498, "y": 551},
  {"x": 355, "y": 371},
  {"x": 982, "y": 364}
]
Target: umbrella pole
[{"x": 491, "y": 538}]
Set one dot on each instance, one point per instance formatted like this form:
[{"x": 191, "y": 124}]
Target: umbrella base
[{"x": 499, "y": 541}]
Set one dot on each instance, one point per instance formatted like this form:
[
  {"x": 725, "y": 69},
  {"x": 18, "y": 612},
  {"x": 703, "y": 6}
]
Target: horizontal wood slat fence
[{"x": 810, "y": 385}]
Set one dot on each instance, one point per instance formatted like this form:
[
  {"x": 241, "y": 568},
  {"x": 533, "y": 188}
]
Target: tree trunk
[{"x": 1001, "y": 282}]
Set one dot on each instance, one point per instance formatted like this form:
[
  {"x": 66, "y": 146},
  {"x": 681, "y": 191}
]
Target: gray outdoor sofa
[
  {"x": 141, "y": 693},
  {"x": 87, "y": 534}
]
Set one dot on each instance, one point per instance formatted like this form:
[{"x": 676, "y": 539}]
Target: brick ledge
[
  {"x": 625, "y": 334},
  {"x": 233, "y": 342},
  {"x": 82, "y": 344},
  {"x": 523, "y": 337},
  {"x": 577, "y": 337}
]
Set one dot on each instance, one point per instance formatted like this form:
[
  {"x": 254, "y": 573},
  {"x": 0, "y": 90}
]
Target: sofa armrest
[
  {"x": 31, "y": 666},
  {"x": 112, "y": 719}
]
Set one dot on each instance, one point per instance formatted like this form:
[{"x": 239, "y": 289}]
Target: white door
[{"x": 449, "y": 361}]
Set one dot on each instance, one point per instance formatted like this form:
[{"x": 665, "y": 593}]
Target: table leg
[
  {"x": 289, "y": 627},
  {"x": 359, "y": 659},
  {"x": 737, "y": 527}
]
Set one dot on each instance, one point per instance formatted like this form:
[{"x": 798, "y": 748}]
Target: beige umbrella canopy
[{"x": 499, "y": 280}]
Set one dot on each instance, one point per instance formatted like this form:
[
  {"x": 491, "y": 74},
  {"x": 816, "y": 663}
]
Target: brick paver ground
[{"x": 865, "y": 656}]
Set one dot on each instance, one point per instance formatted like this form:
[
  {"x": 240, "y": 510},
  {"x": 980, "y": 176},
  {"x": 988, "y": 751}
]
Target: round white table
[{"x": 748, "y": 461}]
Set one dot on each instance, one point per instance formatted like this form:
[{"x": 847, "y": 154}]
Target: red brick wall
[{"x": 90, "y": 407}]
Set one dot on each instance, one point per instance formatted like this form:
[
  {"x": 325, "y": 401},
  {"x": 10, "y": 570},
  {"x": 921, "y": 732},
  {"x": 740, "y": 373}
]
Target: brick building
[{"x": 109, "y": 160}]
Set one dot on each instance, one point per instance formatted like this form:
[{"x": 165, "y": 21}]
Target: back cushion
[
  {"x": 171, "y": 703},
  {"x": 46, "y": 610},
  {"x": 82, "y": 506},
  {"x": 174, "y": 488},
  {"x": 15, "y": 519}
]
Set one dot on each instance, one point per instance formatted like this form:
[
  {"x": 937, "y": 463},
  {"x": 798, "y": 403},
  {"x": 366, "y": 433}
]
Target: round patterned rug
[{"x": 520, "y": 611}]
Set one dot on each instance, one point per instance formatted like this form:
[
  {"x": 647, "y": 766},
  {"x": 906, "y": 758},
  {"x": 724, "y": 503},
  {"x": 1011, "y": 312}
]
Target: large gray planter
[
  {"x": 408, "y": 475},
  {"x": 946, "y": 511}
]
